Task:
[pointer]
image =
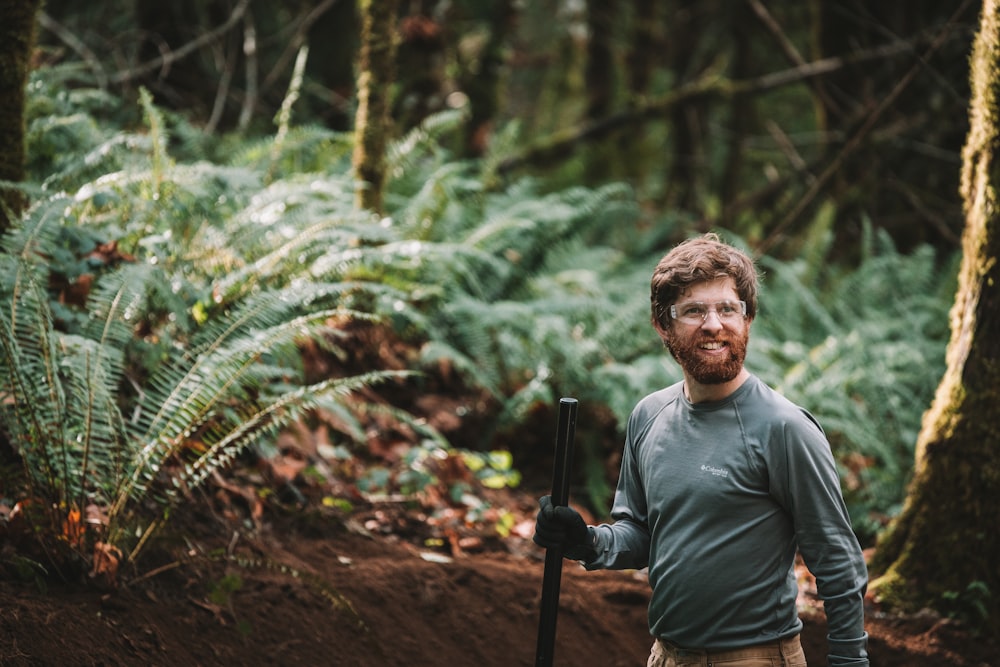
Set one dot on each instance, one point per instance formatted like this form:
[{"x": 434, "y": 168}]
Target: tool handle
[{"x": 554, "y": 557}]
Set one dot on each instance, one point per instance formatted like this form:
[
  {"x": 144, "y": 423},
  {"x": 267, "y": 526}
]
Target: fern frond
[
  {"x": 33, "y": 400},
  {"x": 475, "y": 372},
  {"x": 438, "y": 206},
  {"x": 112, "y": 155},
  {"x": 97, "y": 445},
  {"x": 115, "y": 306},
  {"x": 305, "y": 149},
  {"x": 250, "y": 425},
  {"x": 160, "y": 161},
  {"x": 189, "y": 393},
  {"x": 33, "y": 405},
  {"x": 410, "y": 154}
]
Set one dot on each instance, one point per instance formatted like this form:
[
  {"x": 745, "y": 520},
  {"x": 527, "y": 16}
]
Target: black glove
[{"x": 560, "y": 527}]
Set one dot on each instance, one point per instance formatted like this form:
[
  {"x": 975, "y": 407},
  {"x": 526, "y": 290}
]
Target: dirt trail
[{"x": 326, "y": 595}]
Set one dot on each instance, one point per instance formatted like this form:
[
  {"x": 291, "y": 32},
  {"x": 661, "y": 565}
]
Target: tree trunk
[
  {"x": 645, "y": 50},
  {"x": 376, "y": 73},
  {"x": 17, "y": 40},
  {"x": 687, "y": 188},
  {"x": 600, "y": 80},
  {"x": 421, "y": 64},
  {"x": 742, "y": 109},
  {"x": 943, "y": 550},
  {"x": 483, "y": 84}
]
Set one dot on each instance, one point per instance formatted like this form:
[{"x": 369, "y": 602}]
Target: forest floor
[
  {"x": 365, "y": 589},
  {"x": 285, "y": 561}
]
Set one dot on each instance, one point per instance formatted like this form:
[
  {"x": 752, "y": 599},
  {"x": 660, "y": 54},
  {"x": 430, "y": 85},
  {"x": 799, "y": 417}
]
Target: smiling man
[{"x": 722, "y": 481}]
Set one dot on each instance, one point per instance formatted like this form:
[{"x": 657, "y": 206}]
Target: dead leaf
[
  {"x": 106, "y": 560},
  {"x": 72, "y": 529}
]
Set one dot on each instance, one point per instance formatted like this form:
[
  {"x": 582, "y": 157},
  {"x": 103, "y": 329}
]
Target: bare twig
[
  {"x": 855, "y": 141},
  {"x": 936, "y": 221},
  {"x": 232, "y": 543},
  {"x": 298, "y": 38},
  {"x": 77, "y": 45},
  {"x": 155, "y": 571},
  {"x": 788, "y": 148},
  {"x": 787, "y": 47},
  {"x": 284, "y": 117},
  {"x": 785, "y": 44},
  {"x": 821, "y": 67},
  {"x": 186, "y": 49},
  {"x": 250, "y": 51},
  {"x": 562, "y": 143},
  {"x": 227, "y": 68}
]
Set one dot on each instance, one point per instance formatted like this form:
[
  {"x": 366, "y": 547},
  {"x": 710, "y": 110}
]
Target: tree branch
[
  {"x": 302, "y": 26},
  {"x": 250, "y": 52},
  {"x": 855, "y": 141},
  {"x": 785, "y": 44},
  {"x": 561, "y": 144},
  {"x": 77, "y": 45},
  {"x": 173, "y": 56}
]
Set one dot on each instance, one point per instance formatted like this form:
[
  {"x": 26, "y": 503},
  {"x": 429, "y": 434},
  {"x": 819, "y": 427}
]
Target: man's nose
[{"x": 712, "y": 320}]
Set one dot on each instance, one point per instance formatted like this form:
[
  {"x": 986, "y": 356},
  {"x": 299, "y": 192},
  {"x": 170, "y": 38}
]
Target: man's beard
[{"x": 708, "y": 371}]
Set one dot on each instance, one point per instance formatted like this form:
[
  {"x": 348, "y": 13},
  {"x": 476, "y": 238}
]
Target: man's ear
[{"x": 660, "y": 330}]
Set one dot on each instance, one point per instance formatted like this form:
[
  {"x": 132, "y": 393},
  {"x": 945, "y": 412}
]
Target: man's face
[{"x": 712, "y": 351}]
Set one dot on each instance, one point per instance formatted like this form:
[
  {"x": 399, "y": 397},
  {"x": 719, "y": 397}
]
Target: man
[{"x": 722, "y": 480}]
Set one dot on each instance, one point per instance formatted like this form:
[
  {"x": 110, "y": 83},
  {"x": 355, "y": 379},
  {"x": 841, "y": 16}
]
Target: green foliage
[
  {"x": 971, "y": 606},
  {"x": 204, "y": 274},
  {"x": 437, "y": 467},
  {"x": 221, "y": 591},
  {"x": 862, "y": 348},
  {"x": 534, "y": 294},
  {"x": 538, "y": 296},
  {"x": 87, "y": 446},
  {"x": 184, "y": 353}
]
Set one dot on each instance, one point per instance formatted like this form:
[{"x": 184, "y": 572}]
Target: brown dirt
[
  {"x": 317, "y": 588},
  {"x": 243, "y": 578}
]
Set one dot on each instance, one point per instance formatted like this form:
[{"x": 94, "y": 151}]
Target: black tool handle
[{"x": 554, "y": 557}]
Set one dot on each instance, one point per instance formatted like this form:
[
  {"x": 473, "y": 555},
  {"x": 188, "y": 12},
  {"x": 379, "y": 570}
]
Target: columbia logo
[{"x": 718, "y": 472}]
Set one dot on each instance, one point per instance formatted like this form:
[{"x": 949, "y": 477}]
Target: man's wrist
[
  {"x": 848, "y": 652},
  {"x": 585, "y": 551}
]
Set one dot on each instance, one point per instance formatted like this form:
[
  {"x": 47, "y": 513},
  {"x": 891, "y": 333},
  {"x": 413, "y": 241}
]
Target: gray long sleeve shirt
[{"x": 715, "y": 498}]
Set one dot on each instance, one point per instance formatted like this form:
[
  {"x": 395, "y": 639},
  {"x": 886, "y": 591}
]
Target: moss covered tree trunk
[
  {"x": 17, "y": 39},
  {"x": 600, "y": 85},
  {"x": 483, "y": 83},
  {"x": 943, "y": 551},
  {"x": 376, "y": 75}
]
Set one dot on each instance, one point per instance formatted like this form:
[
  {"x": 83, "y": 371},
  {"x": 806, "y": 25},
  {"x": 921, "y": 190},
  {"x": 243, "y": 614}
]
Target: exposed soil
[
  {"x": 297, "y": 577},
  {"x": 324, "y": 589}
]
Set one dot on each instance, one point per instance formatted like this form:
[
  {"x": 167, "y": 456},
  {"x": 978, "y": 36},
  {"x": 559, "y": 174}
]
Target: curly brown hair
[{"x": 696, "y": 260}]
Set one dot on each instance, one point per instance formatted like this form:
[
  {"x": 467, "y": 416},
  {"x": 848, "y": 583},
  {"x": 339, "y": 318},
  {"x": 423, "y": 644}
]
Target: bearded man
[{"x": 722, "y": 481}]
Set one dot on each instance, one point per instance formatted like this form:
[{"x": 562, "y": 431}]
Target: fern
[
  {"x": 863, "y": 350},
  {"x": 104, "y": 417},
  {"x": 30, "y": 363},
  {"x": 187, "y": 353}
]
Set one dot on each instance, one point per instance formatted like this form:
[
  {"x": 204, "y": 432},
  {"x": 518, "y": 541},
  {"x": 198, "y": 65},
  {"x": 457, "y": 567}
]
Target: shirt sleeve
[
  {"x": 624, "y": 544},
  {"x": 804, "y": 479}
]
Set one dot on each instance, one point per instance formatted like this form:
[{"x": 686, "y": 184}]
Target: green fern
[
  {"x": 102, "y": 418},
  {"x": 63, "y": 410},
  {"x": 528, "y": 293},
  {"x": 863, "y": 350}
]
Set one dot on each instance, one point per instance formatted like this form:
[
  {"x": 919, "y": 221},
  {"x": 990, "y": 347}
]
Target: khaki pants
[{"x": 784, "y": 653}]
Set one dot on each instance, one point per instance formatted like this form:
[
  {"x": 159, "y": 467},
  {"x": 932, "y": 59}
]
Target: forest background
[{"x": 196, "y": 278}]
